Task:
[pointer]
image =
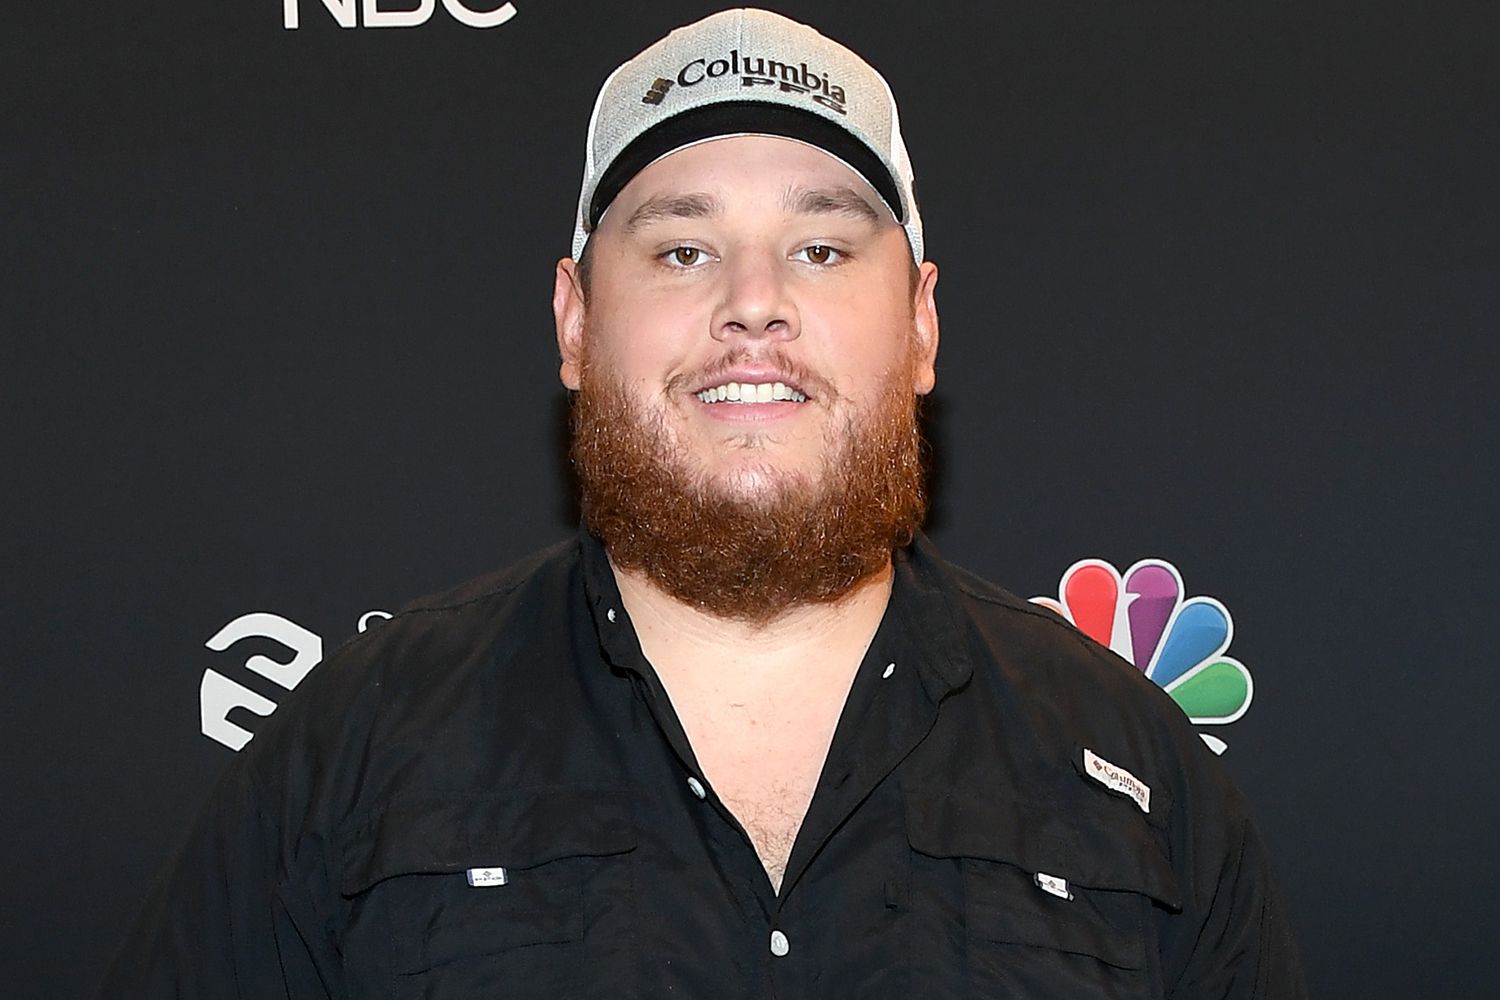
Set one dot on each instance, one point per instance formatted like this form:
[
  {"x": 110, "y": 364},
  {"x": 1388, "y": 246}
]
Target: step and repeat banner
[{"x": 1216, "y": 382}]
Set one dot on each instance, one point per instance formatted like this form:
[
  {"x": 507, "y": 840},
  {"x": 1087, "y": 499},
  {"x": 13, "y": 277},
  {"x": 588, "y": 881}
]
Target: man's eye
[
  {"x": 684, "y": 256},
  {"x": 819, "y": 254}
]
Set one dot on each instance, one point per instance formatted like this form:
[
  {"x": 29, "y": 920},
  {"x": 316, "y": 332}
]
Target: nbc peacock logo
[{"x": 1177, "y": 641}]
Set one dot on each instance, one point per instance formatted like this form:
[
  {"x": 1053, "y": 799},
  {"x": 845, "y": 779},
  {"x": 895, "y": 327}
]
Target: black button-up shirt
[{"x": 491, "y": 796}]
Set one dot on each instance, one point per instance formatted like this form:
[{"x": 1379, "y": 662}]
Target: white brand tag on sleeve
[
  {"x": 487, "y": 876},
  {"x": 1114, "y": 777},
  {"x": 1056, "y": 886}
]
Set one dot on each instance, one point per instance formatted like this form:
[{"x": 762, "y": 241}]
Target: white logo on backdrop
[
  {"x": 218, "y": 695},
  {"x": 346, "y": 13}
]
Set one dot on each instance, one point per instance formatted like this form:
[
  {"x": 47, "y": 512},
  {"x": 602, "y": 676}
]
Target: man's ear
[
  {"x": 925, "y": 322},
  {"x": 568, "y": 314}
]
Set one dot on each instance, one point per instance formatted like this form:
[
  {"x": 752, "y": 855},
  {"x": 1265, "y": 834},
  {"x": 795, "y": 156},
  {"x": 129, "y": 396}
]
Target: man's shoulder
[
  {"x": 478, "y": 593},
  {"x": 427, "y": 660},
  {"x": 1063, "y": 688},
  {"x": 1033, "y": 642},
  {"x": 1062, "y": 700},
  {"x": 450, "y": 630},
  {"x": 992, "y": 601}
]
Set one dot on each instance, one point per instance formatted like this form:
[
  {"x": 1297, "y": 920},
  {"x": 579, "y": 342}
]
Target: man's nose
[{"x": 756, "y": 304}]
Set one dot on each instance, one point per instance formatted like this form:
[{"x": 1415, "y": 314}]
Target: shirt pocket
[
  {"x": 982, "y": 866},
  {"x": 565, "y": 900}
]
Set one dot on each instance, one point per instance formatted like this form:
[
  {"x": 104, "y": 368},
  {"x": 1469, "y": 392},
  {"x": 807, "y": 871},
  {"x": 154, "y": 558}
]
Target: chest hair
[{"x": 768, "y": 786}]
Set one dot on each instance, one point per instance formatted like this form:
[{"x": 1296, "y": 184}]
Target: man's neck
[{"x": 798, "y": 641}]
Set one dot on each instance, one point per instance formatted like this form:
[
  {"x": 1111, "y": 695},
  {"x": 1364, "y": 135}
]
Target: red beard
[{"x": 808, "y": 541}]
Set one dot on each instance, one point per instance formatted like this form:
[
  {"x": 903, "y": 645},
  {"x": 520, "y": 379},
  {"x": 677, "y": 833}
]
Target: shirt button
[
  {"x": 890, "y": 668},
  {"x": 779, "y": 944},
  {"x": 610, "y": 614},
  {"x": 697, "y": 787}
]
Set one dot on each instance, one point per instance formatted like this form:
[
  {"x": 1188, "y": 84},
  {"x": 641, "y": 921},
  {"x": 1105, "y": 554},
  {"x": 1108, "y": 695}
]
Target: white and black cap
[{"x": 745, "y": 72}]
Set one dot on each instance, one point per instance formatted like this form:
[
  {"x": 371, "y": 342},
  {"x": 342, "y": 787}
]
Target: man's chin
[
  {"x": 758, "y": 484},
  {"x": 756, "y": 537}
]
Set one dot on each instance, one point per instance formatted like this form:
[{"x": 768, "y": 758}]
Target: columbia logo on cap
[
  {"x": 658, "y": 91},
  {"x": 792, "y": 77}
]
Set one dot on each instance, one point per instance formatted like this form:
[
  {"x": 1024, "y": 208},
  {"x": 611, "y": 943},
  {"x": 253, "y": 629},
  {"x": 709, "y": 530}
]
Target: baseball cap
[{"x": 745, "y": 72}]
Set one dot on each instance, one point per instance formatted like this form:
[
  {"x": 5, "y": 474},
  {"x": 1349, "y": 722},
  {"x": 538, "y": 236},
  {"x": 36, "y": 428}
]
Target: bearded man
[{"x": 747, "y": 735}]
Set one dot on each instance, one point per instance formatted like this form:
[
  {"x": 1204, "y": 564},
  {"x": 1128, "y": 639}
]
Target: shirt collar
[
  {"x": 924, "y": 601},
  {"x": 924, "y": 610},
  {"x": 617, "y": 639}
]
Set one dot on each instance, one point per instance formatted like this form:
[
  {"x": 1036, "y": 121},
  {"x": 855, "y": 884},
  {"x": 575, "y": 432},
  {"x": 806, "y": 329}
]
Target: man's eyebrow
[
  {"x": 675, "y": 206},
  {"x": 829, "y": 201}
]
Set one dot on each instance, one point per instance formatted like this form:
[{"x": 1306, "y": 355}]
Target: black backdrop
[{"x": 1218, "y": 286}]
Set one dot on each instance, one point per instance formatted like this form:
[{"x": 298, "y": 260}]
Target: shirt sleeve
[
  {"x": 233, "y": 914},
  {"x": 1244, "y": 949}
]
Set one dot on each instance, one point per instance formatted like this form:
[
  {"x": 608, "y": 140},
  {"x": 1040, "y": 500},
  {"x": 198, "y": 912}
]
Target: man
[{"x": 747, "y": 735}]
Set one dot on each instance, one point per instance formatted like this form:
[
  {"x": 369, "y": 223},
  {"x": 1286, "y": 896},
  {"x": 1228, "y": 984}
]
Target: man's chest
[
  {"x": 767, "y": 782},
  {"x": 647, "y": 891}
]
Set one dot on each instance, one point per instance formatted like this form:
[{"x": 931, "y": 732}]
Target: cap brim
[{"x": 742, "y": 118}]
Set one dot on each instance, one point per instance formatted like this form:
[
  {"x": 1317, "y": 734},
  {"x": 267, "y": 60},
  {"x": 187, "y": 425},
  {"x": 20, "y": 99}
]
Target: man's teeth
[{"x": 747, "y": 392}]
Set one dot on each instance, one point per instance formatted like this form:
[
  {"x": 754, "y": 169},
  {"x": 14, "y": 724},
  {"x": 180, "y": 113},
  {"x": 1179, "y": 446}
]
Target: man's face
[
  {"x": 749, "y": 265},
  {"x": 747, "y": 359}
]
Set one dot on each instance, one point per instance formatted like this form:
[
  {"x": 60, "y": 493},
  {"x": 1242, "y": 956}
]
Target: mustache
[{"x": 810, "y": 382}]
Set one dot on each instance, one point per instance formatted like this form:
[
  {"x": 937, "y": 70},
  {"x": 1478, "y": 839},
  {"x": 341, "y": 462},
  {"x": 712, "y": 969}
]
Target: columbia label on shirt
[{"x": 1116, "y": 778}]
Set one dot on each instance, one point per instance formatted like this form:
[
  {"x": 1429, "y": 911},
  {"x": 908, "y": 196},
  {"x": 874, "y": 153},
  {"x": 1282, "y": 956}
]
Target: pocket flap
[
  {"x": 1076, "y": 840},
  {"x": 519, "y": 830}
]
